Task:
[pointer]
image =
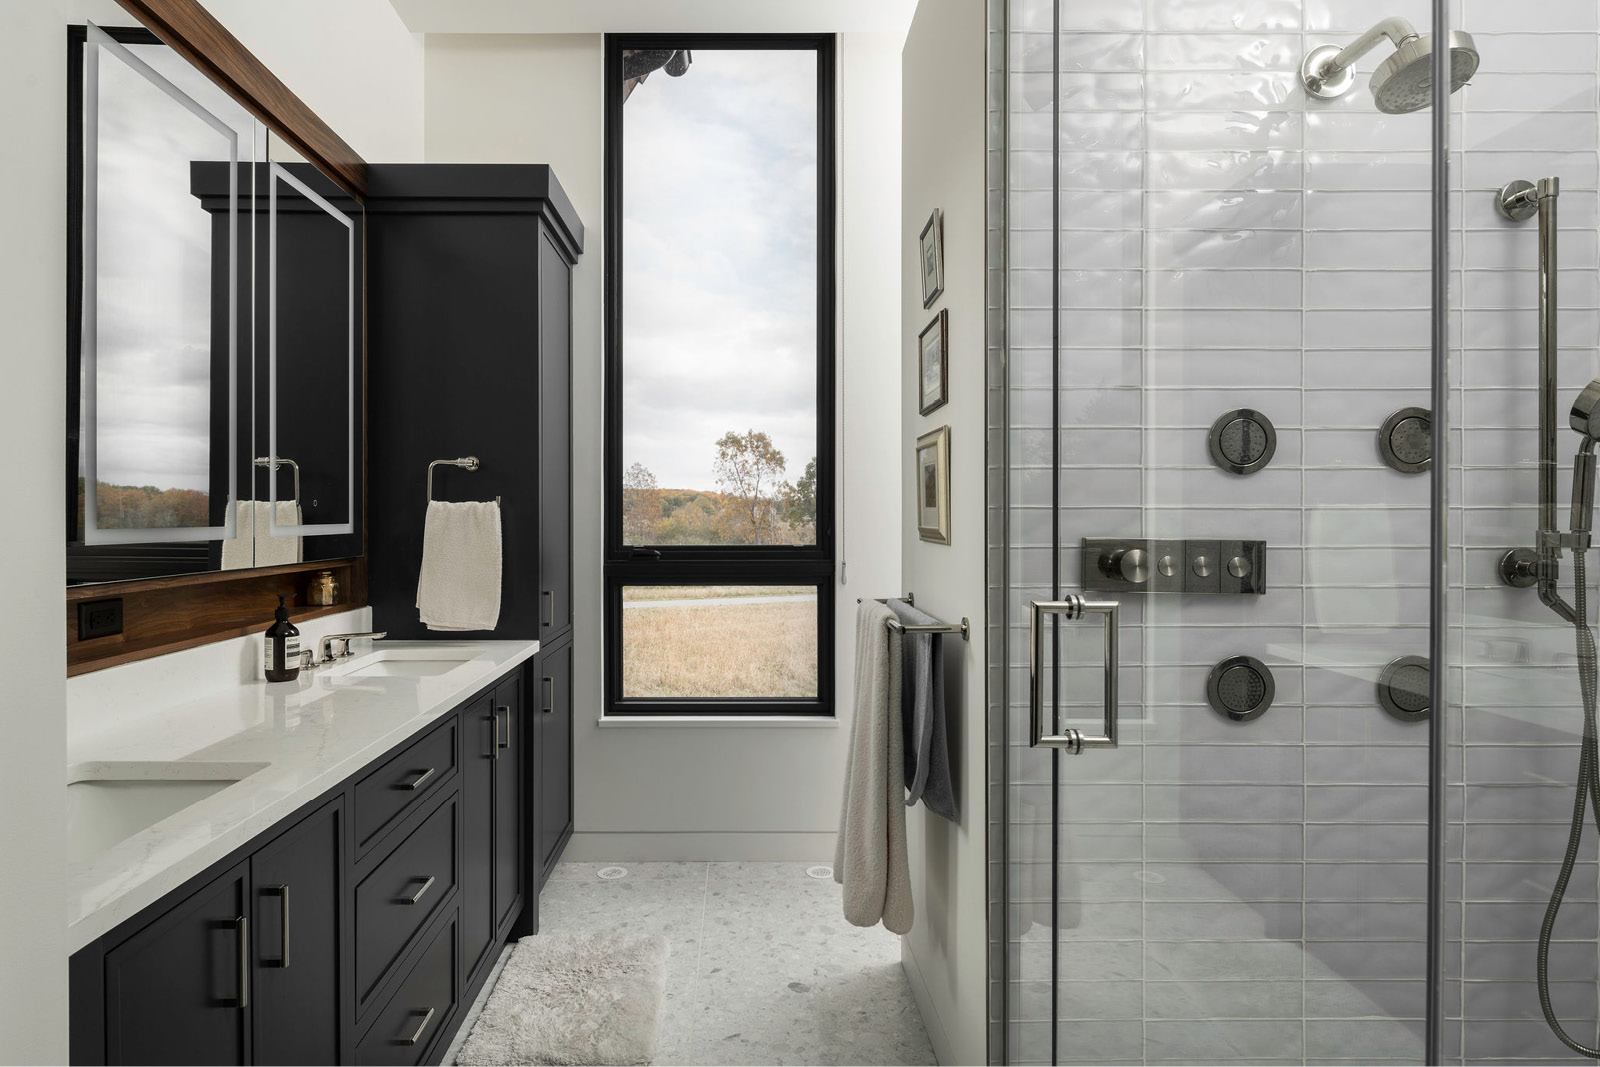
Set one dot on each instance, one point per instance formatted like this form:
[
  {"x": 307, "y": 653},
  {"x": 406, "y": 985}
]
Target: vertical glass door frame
[{"x": 1439, "y": 533}]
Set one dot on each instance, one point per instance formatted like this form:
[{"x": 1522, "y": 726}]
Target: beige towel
[
  {"x": 869, "y": 858},
  {"x": 275, "y": 550},
  {"x": 459, "y": 588},
  {"x": 253, "y": 544},
  {"x": 239, "y": 551}
]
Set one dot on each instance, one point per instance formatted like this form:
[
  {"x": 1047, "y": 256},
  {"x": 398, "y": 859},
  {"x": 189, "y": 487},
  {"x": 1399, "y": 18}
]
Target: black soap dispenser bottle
[{"x": 282, "y": 659}]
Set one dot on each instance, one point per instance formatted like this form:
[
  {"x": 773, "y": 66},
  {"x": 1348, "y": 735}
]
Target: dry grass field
[
  {"x": 709, "y": 592},
  {"x": 721, "y": 650}
]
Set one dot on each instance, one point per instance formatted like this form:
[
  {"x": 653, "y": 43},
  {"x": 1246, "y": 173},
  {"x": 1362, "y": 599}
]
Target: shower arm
[{"x": 1397, "y": 30}]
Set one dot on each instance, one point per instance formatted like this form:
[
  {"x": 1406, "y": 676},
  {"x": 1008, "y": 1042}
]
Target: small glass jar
[{"x": 324, "y": 589}]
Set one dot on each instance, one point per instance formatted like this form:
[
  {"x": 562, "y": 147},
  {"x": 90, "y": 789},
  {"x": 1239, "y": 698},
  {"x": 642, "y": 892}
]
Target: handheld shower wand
[{"x": 1585, "y": 419}]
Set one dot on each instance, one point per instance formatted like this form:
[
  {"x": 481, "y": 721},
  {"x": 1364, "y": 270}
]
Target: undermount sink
[
  {"x": 408, "y": 663},
  {"x": 110, "y": 802}
]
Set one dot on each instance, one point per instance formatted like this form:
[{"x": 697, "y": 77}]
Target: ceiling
[{"x": 650, "y": 16}]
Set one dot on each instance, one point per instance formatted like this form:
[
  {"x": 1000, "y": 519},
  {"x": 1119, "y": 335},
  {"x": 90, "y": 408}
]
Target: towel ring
[
  {"x": 469, "y": 463},
  {"x": 278, "y": 464}
]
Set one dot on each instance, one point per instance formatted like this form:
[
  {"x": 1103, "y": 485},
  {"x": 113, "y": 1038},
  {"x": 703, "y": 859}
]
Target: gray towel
[
  {"x": 870, "y": 858},
  {"x": 927, "y": 752}
]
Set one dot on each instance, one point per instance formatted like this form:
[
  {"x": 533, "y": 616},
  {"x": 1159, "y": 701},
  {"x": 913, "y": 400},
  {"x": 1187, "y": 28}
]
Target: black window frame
[{"x": 666, "y": 565}]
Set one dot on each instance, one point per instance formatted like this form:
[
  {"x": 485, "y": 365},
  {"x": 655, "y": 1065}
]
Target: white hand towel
[
  {"x": 253, "y": 544},
  {"x": 239, "y": 551},
  {"x": 459, "y": 588},
  {"x": 273, "y": 550},
  {"x": 870, "y": 858}
]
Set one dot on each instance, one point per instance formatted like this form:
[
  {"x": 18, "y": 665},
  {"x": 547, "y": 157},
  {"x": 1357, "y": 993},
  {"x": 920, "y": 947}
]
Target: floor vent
[
  {"x": 819, "y": 871},
  {"x": 612, "y": 873}
]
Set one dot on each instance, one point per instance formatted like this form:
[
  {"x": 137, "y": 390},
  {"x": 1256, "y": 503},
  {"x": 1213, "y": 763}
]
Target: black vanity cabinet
[
  {"x": 178, "y": 990},
  {"x": 494, "y": 788},
  {"x": 553, "y": 748},
  {"x": 244, "y": 969},
  {"x": 355, "y": 930},
  {"x": 297, "y": 890}
]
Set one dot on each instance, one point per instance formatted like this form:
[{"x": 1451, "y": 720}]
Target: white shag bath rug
[{"x": 574, "y": 999}]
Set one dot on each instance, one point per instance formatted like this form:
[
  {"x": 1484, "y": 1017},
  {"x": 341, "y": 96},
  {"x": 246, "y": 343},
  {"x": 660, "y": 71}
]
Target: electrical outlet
[{"x": 99, "y": 618}]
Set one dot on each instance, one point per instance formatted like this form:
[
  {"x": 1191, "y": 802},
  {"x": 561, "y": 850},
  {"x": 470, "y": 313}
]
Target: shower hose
[{"x": 1588, "y": 791}]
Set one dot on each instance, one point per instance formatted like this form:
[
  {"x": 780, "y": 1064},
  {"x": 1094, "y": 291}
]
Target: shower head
[
  {"x": 1585, "y": 417},
  {"x": 1402, "y": 83}
]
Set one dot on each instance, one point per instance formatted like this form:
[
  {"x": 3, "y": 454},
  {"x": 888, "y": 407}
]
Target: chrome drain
[
  {"x": 611, "y": 873},
  {"x": 819, "y": 871}
]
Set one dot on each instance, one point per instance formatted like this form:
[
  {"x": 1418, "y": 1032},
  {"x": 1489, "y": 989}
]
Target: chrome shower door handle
[{"x": 1073, "y": 607}]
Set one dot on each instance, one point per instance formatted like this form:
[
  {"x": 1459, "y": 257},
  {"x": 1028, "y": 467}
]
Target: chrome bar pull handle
[
  {"x": 1073, "y": 607},
  {"x": 416, "y": 898},
  {"x": 422, "y": 1027},
  {"x": 282, "y": 893},
  {"x": 241, "y": 926},
  {"x": 417, "y": 782},
  {"x": 506, "y": 711}
]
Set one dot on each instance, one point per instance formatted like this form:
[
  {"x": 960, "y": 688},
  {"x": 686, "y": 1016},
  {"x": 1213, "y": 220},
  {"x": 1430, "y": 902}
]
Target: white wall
[
  {"x": 943, "y": 117},
  {"x": 670, "y": 791},
  {"x": 364, "y": 77},
  {"x": 33, "y": 944},
  {"x": 353, "y": 62}
]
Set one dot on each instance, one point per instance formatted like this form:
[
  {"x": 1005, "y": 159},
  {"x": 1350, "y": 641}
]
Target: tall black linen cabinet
[{"x": 469, "y": 291}]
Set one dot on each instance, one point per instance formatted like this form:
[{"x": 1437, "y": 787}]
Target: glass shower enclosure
[{"x": 1294, "y": 315}]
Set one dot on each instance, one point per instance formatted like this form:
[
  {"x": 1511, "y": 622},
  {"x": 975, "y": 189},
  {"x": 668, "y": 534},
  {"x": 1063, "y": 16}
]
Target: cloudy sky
[
  {"x": 719, "y": 263},
  {"x": 154, "y": 300}
]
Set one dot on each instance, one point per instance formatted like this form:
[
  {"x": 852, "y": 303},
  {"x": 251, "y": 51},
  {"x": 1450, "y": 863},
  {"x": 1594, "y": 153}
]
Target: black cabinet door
[
  {"x": 296, "y": 931},
  {"x": 510, "y": 827},
  {"x": 553, "y": 779},
  {"x": 555, "y": 442},
  {"x": 178, "y": 991},
  {"x": 480, "y": 754}
]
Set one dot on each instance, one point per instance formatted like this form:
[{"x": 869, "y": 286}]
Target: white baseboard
[
  {"x": 691, "y": 846},
  {"x": 942, "y": 1051}
]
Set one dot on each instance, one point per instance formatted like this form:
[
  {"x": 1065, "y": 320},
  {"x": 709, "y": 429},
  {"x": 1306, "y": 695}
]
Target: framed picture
[
  {"x": 934, "y": 365},
  {"x": 932, "y": 257},
  {"x": 933, "y": 486}
]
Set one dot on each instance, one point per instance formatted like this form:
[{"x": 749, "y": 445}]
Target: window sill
[{"x": 621, "y": 721}]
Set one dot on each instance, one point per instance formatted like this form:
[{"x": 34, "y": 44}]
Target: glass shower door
[
  {"x": 1216, "y": 378},
  {"x": 1526, "y": 293}
]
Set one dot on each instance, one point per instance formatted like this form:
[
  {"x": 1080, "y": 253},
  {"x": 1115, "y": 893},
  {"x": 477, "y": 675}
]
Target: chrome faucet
[{"x": 327, "y": 644}]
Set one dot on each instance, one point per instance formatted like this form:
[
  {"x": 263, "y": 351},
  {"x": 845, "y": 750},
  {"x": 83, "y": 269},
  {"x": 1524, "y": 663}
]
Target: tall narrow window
[{"x": 719, "y": 374}]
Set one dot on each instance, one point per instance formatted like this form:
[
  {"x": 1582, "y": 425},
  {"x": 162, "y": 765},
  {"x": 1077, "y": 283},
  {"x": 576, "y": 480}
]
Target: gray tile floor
[{"x": 764, "y": 968}]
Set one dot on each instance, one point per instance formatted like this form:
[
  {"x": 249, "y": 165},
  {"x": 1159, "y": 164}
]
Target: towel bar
[
  {"x": 277, "y": 464},
  {"x": 964, "y": 629},
  {"x": 465, "y": 463}
]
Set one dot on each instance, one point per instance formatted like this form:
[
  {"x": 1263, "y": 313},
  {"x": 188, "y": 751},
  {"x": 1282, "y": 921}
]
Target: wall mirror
[{"x": 215, "y": 357}]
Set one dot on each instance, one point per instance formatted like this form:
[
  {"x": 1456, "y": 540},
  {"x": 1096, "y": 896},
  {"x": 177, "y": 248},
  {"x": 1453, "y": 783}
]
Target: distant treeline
[{"x": 144, "y": 507}]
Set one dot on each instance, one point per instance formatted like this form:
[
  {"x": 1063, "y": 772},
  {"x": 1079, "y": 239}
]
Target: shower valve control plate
[{"x": 1146, "y": 565}]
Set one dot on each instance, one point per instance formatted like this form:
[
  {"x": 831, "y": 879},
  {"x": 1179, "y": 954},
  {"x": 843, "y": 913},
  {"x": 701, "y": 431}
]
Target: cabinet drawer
[
  {"x": 404, "y": 1027},
  {"x": 397, "y": 787},
  {"x": 402, "y": 893}
]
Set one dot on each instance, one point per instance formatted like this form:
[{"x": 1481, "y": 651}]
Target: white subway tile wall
[{"x": 1213, "y": 239}]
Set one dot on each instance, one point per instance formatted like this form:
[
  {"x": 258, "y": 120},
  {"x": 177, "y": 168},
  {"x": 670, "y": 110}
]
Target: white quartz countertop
[{"x": 311, "y": 734}]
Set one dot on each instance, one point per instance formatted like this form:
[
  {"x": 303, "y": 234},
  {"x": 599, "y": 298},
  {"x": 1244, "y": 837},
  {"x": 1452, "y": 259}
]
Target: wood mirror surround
[{"x": 161, "y": 615}]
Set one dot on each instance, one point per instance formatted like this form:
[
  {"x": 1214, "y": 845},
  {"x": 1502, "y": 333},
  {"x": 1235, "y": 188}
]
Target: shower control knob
[
  {"x": 1239, "y": 567},
  {"x": 1130, "y": 565},
  {"x": 1202, "y": 567},
  {"x": 1166, "y": 567}
]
